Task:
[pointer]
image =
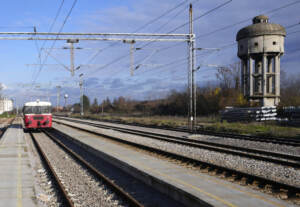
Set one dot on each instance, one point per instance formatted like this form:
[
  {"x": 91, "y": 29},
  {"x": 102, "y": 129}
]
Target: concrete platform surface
[
  {"x": 210, "y": 189},
  {"x": 16, "y": 180}
]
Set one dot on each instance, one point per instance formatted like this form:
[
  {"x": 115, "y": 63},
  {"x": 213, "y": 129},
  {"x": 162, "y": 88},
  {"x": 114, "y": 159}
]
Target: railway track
[
  {"x": 2, "y": 130},
  {"x": 263, "y": 182},
  {"x": 275, "y": 140},
  {"x": 64, "y": 191},
  {"x": 278, "y": 158}
]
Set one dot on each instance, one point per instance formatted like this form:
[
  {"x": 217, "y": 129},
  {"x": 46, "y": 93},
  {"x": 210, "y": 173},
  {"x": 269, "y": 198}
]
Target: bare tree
[
  {"x": 229, "y": 76},
  {"x": 224, "y": 76}
]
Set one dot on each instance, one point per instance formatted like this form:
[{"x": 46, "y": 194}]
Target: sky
[{"x": 106, "y": 65}]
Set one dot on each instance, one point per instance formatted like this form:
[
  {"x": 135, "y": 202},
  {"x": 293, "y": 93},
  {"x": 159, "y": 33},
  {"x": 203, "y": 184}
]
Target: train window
[
  {"x": 27, "y": 110},
  {"x": 37, "y": 109},
  {"x": 45, "y": 109}
]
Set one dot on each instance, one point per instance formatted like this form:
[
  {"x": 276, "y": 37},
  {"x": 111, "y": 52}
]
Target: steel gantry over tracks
[
  {"x": 131, "y": 38},
  {"x": 137, "y": 37}
]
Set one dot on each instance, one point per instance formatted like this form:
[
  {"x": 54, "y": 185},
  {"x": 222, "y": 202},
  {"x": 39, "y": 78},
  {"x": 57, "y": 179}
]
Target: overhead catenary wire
[
  {"x": 226, "y": 46},
  {"x": 54, "y": 21},
  {"x": 234, "y": 24},
  {"x": 246, "y": 20},
  {"x": 138, "y": 29},
  {"x": 195, "y": 19},
  {"x": 178, "y": 63},
  {"x": 50, "y": 29},
  {"x": 287, "y": 27},
  {"x": 166, "y": 23},
  {"x": 294, "y": 32},
  {"x": 202, "y": 15},
  {"x": 53, "y": 44}
]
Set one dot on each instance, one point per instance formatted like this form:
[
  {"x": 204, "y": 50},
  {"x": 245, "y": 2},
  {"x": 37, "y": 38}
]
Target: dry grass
[
  {"x": 208, "y": 123},
  {"x": 260, "y": 129}
]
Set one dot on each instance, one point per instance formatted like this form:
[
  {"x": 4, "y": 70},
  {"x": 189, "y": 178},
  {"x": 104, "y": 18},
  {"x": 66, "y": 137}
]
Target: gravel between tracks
[
  {"x": 264, "y": 169},
  {"x": 284, "y": 149},
  {"x": 222, "y": 140},
  {"x": 81, "y": 186},
  {"x": 47, "y": 194}
]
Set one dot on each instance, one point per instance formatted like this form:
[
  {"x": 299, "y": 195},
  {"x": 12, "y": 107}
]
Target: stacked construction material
[
  {"x": 292, "y": 115},
  {"x": 232, "y": 114}
]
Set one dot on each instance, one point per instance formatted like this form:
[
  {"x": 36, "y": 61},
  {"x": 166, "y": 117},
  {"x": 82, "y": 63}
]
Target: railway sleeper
[{"x": 238, "y": 177}]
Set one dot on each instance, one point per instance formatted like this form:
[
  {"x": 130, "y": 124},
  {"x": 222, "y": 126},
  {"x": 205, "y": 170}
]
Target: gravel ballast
[
  {"x": 222, "y": 140},
  {"x": 263, "y": 169},
  {"x": 83, "y": 188}
]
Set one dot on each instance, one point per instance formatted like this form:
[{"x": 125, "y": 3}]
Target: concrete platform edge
[{"x": 177, "y": 194}]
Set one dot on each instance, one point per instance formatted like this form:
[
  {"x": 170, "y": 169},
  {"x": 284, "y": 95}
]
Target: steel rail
[
  {"x": 102, "y": 177},
  {"x": 289, "y": 160},
  {"x": 291, "y": 189},
  {"x": 2, "y": 130},
  {"x": 275, "y": 140},
  {"x": 66, "y": 199}
]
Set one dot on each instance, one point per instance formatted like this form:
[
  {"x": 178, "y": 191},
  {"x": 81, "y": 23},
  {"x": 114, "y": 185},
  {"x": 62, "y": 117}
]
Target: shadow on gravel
[{"x": 15, "y": 126}]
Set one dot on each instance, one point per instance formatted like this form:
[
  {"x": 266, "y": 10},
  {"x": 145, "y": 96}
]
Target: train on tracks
[{"x": 37, "y": 115}]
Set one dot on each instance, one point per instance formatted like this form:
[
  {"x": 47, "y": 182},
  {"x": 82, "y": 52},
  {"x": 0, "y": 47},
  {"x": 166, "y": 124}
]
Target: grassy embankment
[
  {"x": 208, "y": 123},
  {"x": 7, "y": 115}
]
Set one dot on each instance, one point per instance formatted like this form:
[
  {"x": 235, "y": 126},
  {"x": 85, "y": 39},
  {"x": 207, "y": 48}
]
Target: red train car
[{"x": 37, "y": 114}]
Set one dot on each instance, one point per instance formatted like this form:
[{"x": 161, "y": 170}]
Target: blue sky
[{"x": 153, "y": 80}]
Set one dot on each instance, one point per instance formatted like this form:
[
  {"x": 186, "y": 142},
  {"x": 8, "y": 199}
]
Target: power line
[
  {"x": 206, "y": 13},
  {"x": 140, "y": 28},
  {"x": 284, "y": 6},
  {"x": 287, "y": 27},
  {"x": 61, "y": 28},
  {"x": 294, "y": 32},
  {"x": 235, "y": 24},
  {"x": 195, "y": 19},
  {"x": 183, "y": 60},
  {"x": 162, "y": 26},
  {"x": 161, "y": 16},
  {"x": 246, "y": 20},
  {"x": 171, "y": 19},
  {"x": 54, "y": 21},
  {"x": 233, "y": 44}
]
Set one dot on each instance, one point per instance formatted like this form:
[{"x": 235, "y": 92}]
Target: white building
[{"x": 5, "y": 105}]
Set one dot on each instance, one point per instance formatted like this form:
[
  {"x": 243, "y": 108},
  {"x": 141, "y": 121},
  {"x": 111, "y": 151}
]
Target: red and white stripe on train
[{"x": 37, "y": 114}]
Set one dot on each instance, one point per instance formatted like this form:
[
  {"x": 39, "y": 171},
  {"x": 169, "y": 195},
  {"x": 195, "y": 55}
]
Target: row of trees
[{"x": 210, "y": 98}]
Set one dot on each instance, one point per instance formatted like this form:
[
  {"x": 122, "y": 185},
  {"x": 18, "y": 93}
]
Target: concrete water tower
[{"x": 260, "y": 46}]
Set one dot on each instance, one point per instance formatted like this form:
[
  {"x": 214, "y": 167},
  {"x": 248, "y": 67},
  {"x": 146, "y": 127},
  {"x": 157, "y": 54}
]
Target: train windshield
[{"x": 37, "y": 109}]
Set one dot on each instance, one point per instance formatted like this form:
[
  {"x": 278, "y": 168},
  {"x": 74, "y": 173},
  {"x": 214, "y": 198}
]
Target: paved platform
[
  {"x": 16, "y": 180},
  {"x": 210, "y": 189}
]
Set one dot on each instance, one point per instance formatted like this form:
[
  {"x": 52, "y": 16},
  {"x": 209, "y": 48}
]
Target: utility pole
[
  {"x": 66, "y": 97},
  {"x": 81, "y": 94},
  {"x": 73, "y": 37},
  {"x": 71, "y": 42},
  {"x": 131, "y": 42},
  {"x": 58, "y": 97},
  {"x": 17, "y": 107},
  {"x": 191, "y": 43}
]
